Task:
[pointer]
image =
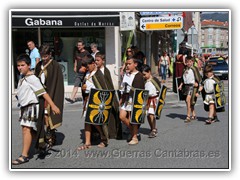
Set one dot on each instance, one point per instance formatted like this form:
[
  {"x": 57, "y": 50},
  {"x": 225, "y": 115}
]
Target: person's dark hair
[
  {"x": 127, "y": 50},
  {"x": 25, "y": 58},
  {"x": 208, "y": 68},
  {"x": 30, "y": 41},
  {"x": 45, "y": 49},
  {"x": 81, "y": 41},
  {"x": 181, "y": 51},
  {"x": 189, "y": 58},
  {"x": 146, "y": 68},
  {"x": 133, "y": 58},
  {"x": 88, "y": 59}
]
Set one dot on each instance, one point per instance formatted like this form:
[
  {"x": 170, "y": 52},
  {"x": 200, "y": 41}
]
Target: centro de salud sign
[{"x": 161, "y": 23}]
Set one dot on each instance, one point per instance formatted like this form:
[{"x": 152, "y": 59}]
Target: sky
[{"x": 123, "y": 4}]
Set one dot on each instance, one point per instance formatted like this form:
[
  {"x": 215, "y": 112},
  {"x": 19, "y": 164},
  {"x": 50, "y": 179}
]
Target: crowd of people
[{"x": 41, "y": 94}]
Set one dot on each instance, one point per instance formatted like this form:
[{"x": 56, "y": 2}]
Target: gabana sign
[
  {"x": 42, "y": 22},
  {"x": 64, "y": 19}
]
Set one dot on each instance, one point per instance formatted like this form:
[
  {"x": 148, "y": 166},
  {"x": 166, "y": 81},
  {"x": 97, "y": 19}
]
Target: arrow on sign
[{"x": 143, "y": 26}]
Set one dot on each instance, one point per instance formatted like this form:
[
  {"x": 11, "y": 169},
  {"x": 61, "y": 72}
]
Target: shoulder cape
[
  {"x": 55, "y": 88},
  {"x": 156, "y": 83},
  {"x": 105, "y": 82}
]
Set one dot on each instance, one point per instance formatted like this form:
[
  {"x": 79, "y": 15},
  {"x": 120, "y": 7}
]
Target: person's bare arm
[
  {"x": 55, "y": 109},
  {"x": 37, "y": 60}
]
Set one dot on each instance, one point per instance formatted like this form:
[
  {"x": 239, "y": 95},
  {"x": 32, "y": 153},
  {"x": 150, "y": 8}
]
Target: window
[{"x": 210, "y": 30}]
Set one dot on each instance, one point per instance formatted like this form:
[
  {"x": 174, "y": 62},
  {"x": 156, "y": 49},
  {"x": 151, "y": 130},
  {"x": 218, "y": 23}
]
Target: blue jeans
[{"x": 163, "y": 71}]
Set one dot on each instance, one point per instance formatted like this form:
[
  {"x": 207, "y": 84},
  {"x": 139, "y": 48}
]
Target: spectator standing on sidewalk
[
  {"x": 94, "y": 49},
  {"x": 163, "y": 64},
  {"x": 34, "y": 54},
  {"x": 78, "y": 69}
]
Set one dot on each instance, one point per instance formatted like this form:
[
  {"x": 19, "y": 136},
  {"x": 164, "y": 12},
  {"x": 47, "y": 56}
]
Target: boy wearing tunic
[
  {"x": 153, "y": 85},
  {"x": 132, "y": 79},
  {"x": 88, "y": 84},
  {"x": 114, "y": 129},
  {"x": 208, "y": 85},
  {"x": 189, "y": 85},
  {"x": 50, "y": 74},
  {"x": 28, "y": 91}
]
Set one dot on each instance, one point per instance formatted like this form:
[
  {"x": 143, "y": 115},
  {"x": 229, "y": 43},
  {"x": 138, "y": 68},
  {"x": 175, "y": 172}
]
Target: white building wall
[{"x": 113, "y": 53}]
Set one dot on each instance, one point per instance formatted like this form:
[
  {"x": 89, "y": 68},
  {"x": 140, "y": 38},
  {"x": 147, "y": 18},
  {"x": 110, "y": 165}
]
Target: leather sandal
[
  {"x": 193, "y": 117},
  {"x": 20, "y": 160},
  {"x": 102, "y": 145},
  {"x": 134, "y": 141},
  {"x": 187, "y": 120},
  {"x": 153, "y": 133},
  {"x": 210, "y": 120},
  {"x": 84, "y": 147}
]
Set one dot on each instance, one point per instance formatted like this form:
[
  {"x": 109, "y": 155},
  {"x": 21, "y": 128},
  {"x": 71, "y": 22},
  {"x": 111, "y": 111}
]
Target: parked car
[{"x": 220, "y": 67}]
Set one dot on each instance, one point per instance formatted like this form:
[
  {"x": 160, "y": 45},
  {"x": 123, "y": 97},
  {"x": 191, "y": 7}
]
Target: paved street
[{"x": 178, "y": 145}]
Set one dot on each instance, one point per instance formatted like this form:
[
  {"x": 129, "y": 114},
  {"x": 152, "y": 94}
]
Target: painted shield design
[
  {"x": 161, "y": 101},
  {"x": 99, "y": 106},
  {"x": 220, "y": 98},
  {"x": 139, "y": 106}
]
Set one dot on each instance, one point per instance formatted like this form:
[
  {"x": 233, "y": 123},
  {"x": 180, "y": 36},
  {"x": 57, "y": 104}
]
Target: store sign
[
  {"x": 42, "y": 22},
  {"x": 161, "y": 23},
  {"x": 65, "y": 22},
  {"x": 127, "y": 21}
]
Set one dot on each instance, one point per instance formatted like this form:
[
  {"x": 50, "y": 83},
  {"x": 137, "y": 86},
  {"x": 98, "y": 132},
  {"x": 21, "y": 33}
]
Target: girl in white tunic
[{"x": 29, "y": 89}]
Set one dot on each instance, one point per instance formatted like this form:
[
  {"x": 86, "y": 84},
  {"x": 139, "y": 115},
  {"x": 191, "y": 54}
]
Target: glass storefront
[{"x": 63, "y": 42}]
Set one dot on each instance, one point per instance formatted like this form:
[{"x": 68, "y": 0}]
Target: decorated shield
[
  {"x": 99, "y": 106},
  {"x": 161, "y": 101},
  {"x": 220, "y": 98},
  {"x": 139, "y": 106},
  {"x": 181, "y": 97}
]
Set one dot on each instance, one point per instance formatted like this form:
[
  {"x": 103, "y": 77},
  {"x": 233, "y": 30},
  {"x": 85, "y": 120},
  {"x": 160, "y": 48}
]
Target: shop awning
[{"x": 59, "y": 19}]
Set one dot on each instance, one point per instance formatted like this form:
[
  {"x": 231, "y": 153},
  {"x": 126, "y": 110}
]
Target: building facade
[
  {"x": 62, "y": 30},
  {"x": 214, "y": 37}
]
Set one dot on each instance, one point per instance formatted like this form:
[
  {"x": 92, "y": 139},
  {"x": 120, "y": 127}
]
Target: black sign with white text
[{"x": 65, "y": 19}]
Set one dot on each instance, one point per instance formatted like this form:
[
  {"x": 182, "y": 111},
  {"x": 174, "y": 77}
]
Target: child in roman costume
[
  {"x": 89, "y": 83},
  {"x": 153, "y": 85},
  {"x": 132, "y": 79},
  {"x": 208, "y": 85},
  {"x": 28, "y": 91},
  {"x": 50, "y": 73},
  {"x": 189, "y": 85}
]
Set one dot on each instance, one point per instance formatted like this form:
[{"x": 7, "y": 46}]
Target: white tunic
[
  {"x": 89, "y": 81},
  {"x": 152, "y": 92},
  {"x": 29, "y": 88},
  {"x": 208, "y": 85},
  {"x": 28, "y": 91},
  {"x": 188, "y": 77},
  {"x": 128, "y": 78}
]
